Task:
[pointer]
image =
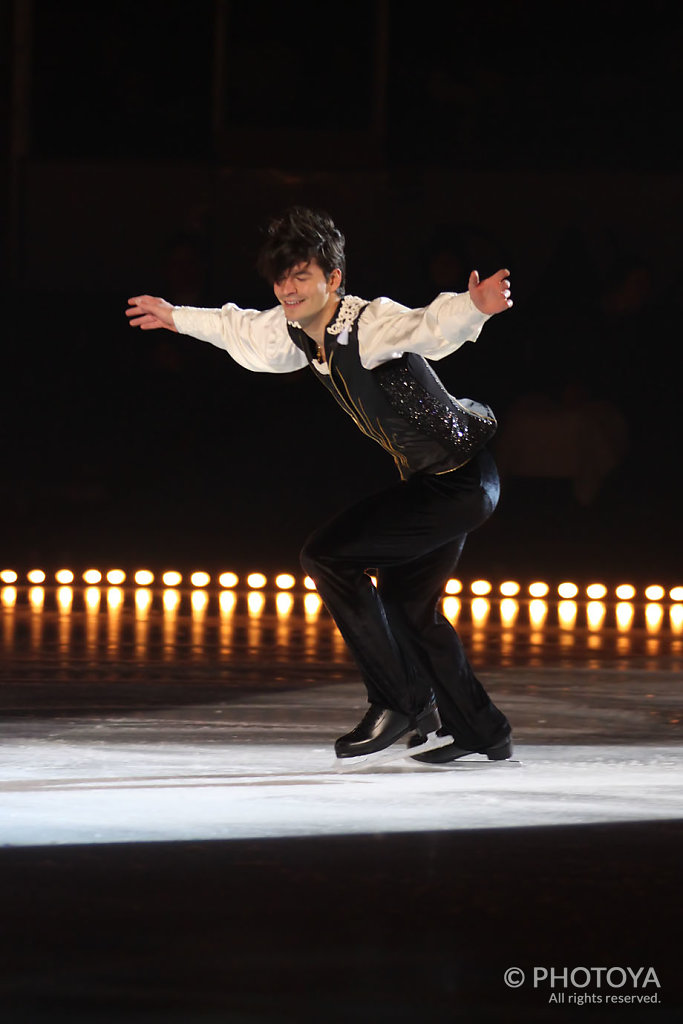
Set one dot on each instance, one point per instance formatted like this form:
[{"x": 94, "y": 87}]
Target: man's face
[{"x": 305, "y": 293}]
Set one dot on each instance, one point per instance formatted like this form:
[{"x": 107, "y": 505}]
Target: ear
[{"x": 335, "y": 279}]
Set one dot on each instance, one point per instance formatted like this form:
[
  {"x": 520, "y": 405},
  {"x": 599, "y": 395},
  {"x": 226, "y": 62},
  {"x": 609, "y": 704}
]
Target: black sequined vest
[{"x": 401, "y": 404}]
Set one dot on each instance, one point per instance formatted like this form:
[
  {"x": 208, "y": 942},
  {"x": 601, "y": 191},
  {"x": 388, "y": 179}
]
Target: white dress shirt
[{"x": 259, "y": 340}]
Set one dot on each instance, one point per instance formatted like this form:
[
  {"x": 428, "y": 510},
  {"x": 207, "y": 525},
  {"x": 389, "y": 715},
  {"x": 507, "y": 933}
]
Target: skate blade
[
  {"x": 473, "y": 764},
  {"x": 399, "y": 751}
]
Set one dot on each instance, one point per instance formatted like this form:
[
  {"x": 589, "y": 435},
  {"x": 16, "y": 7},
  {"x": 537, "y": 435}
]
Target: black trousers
[{"x": 411, "y": 535}]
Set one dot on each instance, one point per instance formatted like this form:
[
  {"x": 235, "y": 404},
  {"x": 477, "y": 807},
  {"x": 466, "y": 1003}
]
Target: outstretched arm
[
  {"x": 149, "y": 313},
  {"x": 492, "y": 295},
  {"x": 256, "y": 340},
  {"x": 387, "y": 329}
]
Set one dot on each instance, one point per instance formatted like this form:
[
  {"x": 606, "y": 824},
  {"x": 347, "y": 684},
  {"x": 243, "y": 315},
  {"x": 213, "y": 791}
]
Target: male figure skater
[{"x": 372, "y": 357}]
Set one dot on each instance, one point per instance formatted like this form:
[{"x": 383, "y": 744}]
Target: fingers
[
  {"x": 147, "y": 322},
  {"x": 506, "y": 287},
  {"x": 502, "y": 277},
  {"x": 147, "y": 302},
  {"x": 137, "y": 307},
  {"x": 138, "y": 316},
  {"x": 148, "y": 312},
  {"x": 491, "y": 295}
]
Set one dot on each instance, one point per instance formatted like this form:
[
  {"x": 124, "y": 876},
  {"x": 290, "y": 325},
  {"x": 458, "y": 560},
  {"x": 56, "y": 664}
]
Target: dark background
[{"x": 148, "y": 144}]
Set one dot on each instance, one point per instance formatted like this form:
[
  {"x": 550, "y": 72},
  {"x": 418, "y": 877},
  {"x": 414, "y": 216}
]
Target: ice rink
[
  {"x": 212, "y": 772},
  {"x": 178, "y": 843}
]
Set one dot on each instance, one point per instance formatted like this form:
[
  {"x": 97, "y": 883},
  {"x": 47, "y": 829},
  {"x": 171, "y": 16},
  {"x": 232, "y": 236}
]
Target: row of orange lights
[
  {"x": 285, "y": 581},
  {"x": 568, "y": 591},
  {"x": 144, "y": 578}
]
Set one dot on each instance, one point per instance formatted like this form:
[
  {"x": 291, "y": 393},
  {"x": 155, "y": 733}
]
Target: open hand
[
  {"x": 149, "y": 313},
  {"x": 492, "y": 295}
]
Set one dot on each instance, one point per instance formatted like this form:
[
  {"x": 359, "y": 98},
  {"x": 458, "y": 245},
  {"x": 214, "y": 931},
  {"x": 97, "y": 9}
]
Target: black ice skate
[
  {"x": 451, "y": 752},
  {"x": 377, "y": 738}
]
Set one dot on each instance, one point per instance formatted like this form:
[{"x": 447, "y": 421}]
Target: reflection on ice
[{"x": 496, "y": 630}]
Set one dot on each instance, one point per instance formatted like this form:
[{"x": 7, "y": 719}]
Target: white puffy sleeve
[
  {"x": 256, "y": 340},
  {"x": 387, "y": 329}
]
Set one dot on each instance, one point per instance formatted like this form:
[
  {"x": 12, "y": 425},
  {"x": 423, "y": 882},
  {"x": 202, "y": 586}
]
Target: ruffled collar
[{"x": 348, "y": 311}]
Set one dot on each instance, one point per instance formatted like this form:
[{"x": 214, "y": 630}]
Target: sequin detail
[
  {"x": 349, "y": 310},
  {"x": 461, "y": 430}
]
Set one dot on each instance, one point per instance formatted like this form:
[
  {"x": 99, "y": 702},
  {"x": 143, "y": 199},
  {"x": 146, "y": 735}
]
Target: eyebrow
[{"x": 303, "y": 270}]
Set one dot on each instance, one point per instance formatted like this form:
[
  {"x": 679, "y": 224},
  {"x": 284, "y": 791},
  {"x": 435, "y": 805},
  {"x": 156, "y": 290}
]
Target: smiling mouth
[{"x": 292, "y": 307}]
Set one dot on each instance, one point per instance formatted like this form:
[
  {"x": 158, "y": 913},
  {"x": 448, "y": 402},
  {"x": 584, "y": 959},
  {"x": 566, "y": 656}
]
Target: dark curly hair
[{"x": 300, "y": 235}]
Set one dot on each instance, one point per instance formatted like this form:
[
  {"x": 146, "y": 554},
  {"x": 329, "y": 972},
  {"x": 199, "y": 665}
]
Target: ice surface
[{"x": 94, "y": 791}]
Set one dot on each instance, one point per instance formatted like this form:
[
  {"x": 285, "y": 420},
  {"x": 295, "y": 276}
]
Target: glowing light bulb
[
  {"x": 116, "y": 577},
  {"x": 676, "y": 593},
  {"x": 509, "y": 588},
  {"x": 284, "y": 581},
  {"x": 596, "y": 591},
  {"x": 64, "y": 576},
  {"x": 200, "y": 579},
  {"x": 567, "y": 590},
  {"x": 8, "y": 576},
  {"x": 309, "y": 583},
  {"x": 480, "y": 587},
  {"x": 256, "y": 580},
  {"x": 538, "y": 589},
  {"x": 171, "y": 578},
  {"x": 92, "y": 576},
  {"x": 35, "y": 576},
  {"x": 654, "y": 592},
  {"x": 228, "y": 580},
  {"x": 453, "y": 587},
  {"x": 625, "y": 592},
  {"x": 143, "y": 577}
]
